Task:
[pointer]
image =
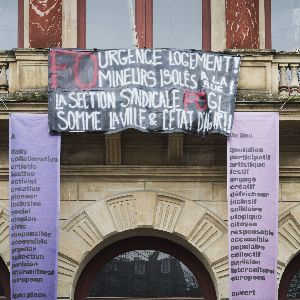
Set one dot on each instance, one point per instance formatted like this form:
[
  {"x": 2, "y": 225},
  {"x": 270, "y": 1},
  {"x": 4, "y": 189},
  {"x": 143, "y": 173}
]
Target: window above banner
[
  {"x": 111, "y": 23},
  {"x": 108, "y": 24},
  {"x": 286, "y": 25},
  {"x": 171, "y": 29}
]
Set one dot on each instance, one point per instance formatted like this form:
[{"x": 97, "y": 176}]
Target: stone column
[
  {"x": 175, "y": 148},
  {"x": 283, "y": 83},
  {"x": 294, "y": 79},
  {"x": 113, "y": 149}
]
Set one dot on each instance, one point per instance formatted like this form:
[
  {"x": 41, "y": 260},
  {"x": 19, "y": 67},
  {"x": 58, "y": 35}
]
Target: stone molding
[
  {"x": 37, "y": 102},
  {"x": 182, "y": 173}
]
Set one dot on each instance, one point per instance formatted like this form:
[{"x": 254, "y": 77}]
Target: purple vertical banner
[
  {"x": 34, "y": 176},
  {"x": 252, "y": 185}
]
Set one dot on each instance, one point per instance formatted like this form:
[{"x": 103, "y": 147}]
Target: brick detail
[
  {"x": 242, "y": 24},
  {"x": 45, "y": 23}
]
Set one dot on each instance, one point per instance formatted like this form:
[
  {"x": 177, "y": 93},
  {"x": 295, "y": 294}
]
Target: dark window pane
[
  {"x": 177, "y": 24},
  {"x": 8, "y": 24},
  {"x": 1, "y": 290},
  {"x": 108, "y": 24},
  {"x": 286, "y": 25},
  {"x": 145, "y": 273},
  {"x": 294, "y": 288}
]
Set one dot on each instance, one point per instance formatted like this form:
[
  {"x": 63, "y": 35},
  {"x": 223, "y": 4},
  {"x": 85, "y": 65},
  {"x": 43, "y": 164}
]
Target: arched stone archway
[
  {"x": 203, "y": 232},
  {"x": 4, "y": 235},
  {"x": 165, "y": 215},
  {"x": 4, "y": 280},
  {"x": 152, "y": 213},
  {"x": 4, "y": 252},
  {"x": 288, "y": 238},
  {"x": 289, "y": 272}
]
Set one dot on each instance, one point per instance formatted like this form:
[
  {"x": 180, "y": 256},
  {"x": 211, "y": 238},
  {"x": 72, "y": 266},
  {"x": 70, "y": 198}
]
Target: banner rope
[
  {"x": 0, "y": 97},
  {"x": 285, "y": 103},
  {"x": 4, "y": 103},
  {"x": 133, "y": 27}
]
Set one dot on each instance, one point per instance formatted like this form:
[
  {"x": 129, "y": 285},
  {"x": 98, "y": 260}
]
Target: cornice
[
  {"x": 141, "y": 173},
  {"x": 287, "y": 110}
]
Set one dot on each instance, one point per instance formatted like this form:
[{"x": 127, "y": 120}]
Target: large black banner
[{"x": 163, "y": 90}]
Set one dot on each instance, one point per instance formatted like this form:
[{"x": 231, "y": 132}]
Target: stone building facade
[{"x": 164, "y": 192}]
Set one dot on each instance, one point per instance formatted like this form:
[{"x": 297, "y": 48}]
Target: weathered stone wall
[
  {"x": 200, "y": 176},
  {"x": 197, "y": 182}
]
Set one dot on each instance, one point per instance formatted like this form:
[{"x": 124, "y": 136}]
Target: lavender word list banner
[
  {"x": 34, "y": 207},
  {"x": 252, "y": 180}
]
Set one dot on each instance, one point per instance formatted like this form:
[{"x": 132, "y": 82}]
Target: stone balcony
[
  {"x": 265, "y": 76},
  {"x": 24, "y": 70}
]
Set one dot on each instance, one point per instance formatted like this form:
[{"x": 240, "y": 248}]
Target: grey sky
[{"x": 8, "y": 24}]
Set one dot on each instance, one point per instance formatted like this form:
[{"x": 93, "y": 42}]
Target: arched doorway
[
  {"x": 143, "y": 213},
  {"x": 289, "y": 288},
  {"x": 167, "y": 254},
  {"x": 4, "y": 281}
]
